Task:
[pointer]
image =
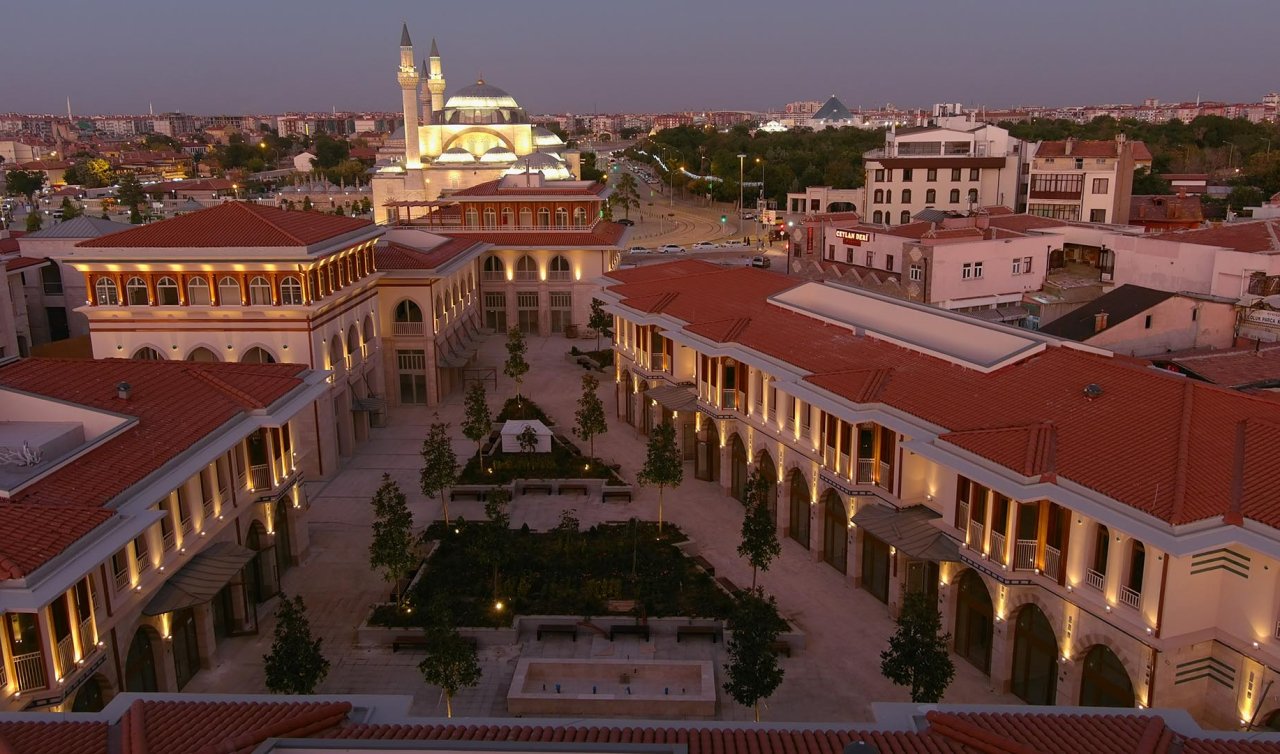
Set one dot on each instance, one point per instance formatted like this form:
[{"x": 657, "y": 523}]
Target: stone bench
[
  {"x": 561, "y": 629},
  {"x": 617, "y": 493},
  {"x": 711, "y": 631},
  {"x": 629, "y": 630},
  {"x": 477, "y": 492},
  {"x": 704, "y": 564}
]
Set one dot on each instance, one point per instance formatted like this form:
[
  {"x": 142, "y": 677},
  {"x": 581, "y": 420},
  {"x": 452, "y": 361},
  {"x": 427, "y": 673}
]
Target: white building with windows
[{"x": 1090, "y": 181}]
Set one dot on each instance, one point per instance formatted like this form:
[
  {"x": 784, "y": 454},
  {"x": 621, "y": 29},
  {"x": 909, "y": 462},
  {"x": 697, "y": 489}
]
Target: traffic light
[{"x": 723, "y": 219}]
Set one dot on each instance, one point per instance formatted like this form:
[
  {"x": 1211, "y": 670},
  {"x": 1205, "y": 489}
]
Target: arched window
[
  {"x": 490, "y": 217},
  {"x": 200, "y": 353},
  {"x": 930, "y": 196},
  {"x": 526, "y": 268},
  {"x": 526, "y": 217},
  {"x": 888, "y": 217},
  {"x": 353, "y": 339},
  {"x": 559, "y": 268},
  {"x": 562, "y": 217},
  {"x": 198, "y": 293},
  {"x": 879, "y": 196},
  {"x": 888, "y": 196},
  {"x": 147, "y": 353},
  {"x": 257, "y": 355},
  {"x": 367, "y": 330},
  {"x": 906, "y": 217},
  {"x": 290, "y": 291},
  {"x": 229, "y": 291},
  {"x": 1136, "y": 570},
  {"x": 136, "y": 291},
  {"x": 877, "y": 217},
  {"x": 955, "y": 196},
  {"x": 471, "y": 282},
  {"x": 259, "y": 291},
  {"x": 457, "y": 296},
  {"x": 106, "y": 292},
  {"x": 508, "y": 217},
  {"x": 472, "y": 218},
  {"x": 906, "y": 196},
  {"x": 439, "y": 307},
  {"x": 494, "y": 269},
  {"x": 407, "y": 311},
  {"x": 579, "y": 216},
  {"x": 335, "y": 352},
  {"x": 973, "y": 196},
  {"x": 544, "y": 217},
  {"x": 167, "y": 291}
]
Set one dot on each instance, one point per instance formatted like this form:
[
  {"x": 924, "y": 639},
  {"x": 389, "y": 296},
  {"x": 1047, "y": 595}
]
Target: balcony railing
[
  {"x": 206, "y": 507},
  {"x": 29, "y": 671},
  {"x": 1094, "y": 579},
  {"x": 885, "y": 479},
  {"x": 260, "y": 477},
  {"x": 144, "y": 562},
  {"x": 963, "y": 511},
  {"x": 87, "y": 641},
  {"x": 1024, "y": 554},
  {"x": 975, "y": 535},
  {"x": 122, "y": 581},
  {"x": 170, "y": 540},
  {"x": 1130, "y": 597},
  {"x": 1052, "y": 562},
  {"x": 866, "y": 470},
  {"x": 998, "y": 552},
  {"x": 66, "y": 655},
  {"x": 4, "y": 677},
  {"x": 404, "y": 329}
]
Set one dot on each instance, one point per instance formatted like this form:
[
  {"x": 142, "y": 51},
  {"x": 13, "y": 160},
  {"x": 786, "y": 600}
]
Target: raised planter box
[{"x": 608, "y": 688}]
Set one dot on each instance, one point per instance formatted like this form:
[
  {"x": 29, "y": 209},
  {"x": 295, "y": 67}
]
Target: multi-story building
[
  {"x": 1094, "y": 531},
  {"x": 1085, "y": 180},
  {"x": 146, "y": 510},
  {"x": 247, "y": 283},
  {"x": 958, "y": 165}
]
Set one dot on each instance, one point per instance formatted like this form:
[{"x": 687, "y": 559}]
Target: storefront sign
[
  {"x": 1264, "y": 317},
  {"x": 853, "y": 237}
]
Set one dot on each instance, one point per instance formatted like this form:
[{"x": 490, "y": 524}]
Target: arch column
[
  {"x": 784, "y": 506},
  {"x": 1001, "y": 650}
]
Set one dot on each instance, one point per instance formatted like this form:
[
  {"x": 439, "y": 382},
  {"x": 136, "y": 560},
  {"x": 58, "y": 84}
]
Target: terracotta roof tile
[
  {"x": 19, "y": 263},
  {"x": 603, "y": 234},
  {"x": 231, "y": 225},
  {"x": 53, "y": 736},
  {"x": 190, "y": 727},
  {"x": 1256, "y": 236},
  {"x": 34, "y": 534},
  {"x": 1230, "y": 367},
  {"x": 389, "y": 255},
  {"x": 1088, "y": 148}
]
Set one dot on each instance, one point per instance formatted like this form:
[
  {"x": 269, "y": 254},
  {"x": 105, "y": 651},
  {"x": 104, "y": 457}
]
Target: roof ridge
[
  {"x": 1184, "y": 452},
  {"x": 310, "y": 717},
  {"x": 970, "y": 734},
  {"x": 217, "y": 382},
  {"x": 1152, "y": 735},
  {"x": 252, "y": 209}
]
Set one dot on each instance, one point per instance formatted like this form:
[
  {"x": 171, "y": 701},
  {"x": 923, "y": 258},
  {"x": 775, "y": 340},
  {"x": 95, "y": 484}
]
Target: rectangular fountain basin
[{"x": 610, "y": 688}]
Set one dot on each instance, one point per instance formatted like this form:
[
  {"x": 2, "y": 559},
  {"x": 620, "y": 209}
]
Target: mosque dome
[
  {"x": 482, "y": 103},
  {"x": 543, "y": 137},
  {"x": 498, "y": 154},
  {"x": 551, "y": 167},
  {"x": 456, "y": 155}
]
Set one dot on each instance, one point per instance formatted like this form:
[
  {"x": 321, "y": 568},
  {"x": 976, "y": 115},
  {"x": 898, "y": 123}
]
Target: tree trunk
[
  {"x": 756, "y": 708},
  {"x": 444, "y": 500},
  {"x": 448, "y": 706},
  {"x": 660, "y": 489},
  {"x": 753, "y": 583}
]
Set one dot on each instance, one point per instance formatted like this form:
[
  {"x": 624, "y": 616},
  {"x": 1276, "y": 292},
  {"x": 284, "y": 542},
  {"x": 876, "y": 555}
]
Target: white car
[
  {"x": 671, "y": 249},
  {"x": 701, "y": 245},
  {"x": 637, "y": 250},
  {"x": 734, "y": 242}
]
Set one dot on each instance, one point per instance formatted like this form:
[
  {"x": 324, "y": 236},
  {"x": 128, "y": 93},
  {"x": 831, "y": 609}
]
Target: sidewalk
[{"x": 835, "y": 678}]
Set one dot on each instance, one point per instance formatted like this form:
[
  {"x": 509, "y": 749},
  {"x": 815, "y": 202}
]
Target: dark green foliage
[
  {"x": 439, "y": 465},
  {"x": 600, "y": 320},
  {"x": 476, "y": 423},
  {"x": 391, "y": 549},
  {"x": 129, "y": 194},
  {"x": 590, "y": 418},
  {"x": 451, "y": 662},
  {"x": 663, "y": 466},
  {"x": 520, "y": 409},
  {"x": 295, "y": 664},
  {"x": 70, "y": 209},
  {"x": 23, "y": 183},
  {"x": 33, "y": 221},
  {"x": 917, "y": 655},
  {"x": 759, "y": 537},
  {"x": 563, "y": 462},
  {"x": 752, "y": 668},
  {"x": 516, "y": 367}
]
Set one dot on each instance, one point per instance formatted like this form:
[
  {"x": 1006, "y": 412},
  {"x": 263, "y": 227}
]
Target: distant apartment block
[{"x": 1085, "y": 180}]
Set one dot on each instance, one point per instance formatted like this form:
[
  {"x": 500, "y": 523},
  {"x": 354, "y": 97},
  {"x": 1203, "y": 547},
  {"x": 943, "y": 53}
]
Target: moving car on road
[
  {"x": 702, "y": 245},
  {"x": 637, "y": 250},
  {"x": 760, "y": 261},
  {"x": 625, "y": 221},
  {"x": 671, "y": 249}
]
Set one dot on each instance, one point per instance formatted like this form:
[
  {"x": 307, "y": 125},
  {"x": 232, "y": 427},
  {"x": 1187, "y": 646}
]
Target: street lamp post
[
  {"x": 741, "y": 158},
  {"x": 762, "y": 201}
]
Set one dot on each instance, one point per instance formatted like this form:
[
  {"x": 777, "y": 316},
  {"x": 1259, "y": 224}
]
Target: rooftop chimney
[
  {"x": 124, "y": 390},
  {"x": 1099, "y": 322},
  {"x": 1070, "y": 143}
]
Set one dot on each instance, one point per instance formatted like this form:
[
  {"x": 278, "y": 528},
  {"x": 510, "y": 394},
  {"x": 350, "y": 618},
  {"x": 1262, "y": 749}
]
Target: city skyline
[{"x": 755, "y": 61}]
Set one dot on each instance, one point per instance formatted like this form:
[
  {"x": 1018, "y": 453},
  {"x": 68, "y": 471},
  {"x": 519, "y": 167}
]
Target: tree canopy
[
  {"x": 917, "y": 656},
  {"x": 296, "y": 664}
]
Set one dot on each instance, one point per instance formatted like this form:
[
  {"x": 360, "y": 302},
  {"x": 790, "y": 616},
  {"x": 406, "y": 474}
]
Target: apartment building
[
  {"x": 146, "y": 510},
  {"x": 957, "y": 165},
  {"x": 1094, "y": 531},
  {"x": 1085, "y": 180}
]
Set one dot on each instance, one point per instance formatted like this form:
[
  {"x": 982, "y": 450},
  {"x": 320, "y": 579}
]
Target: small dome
[
  {"x": 552, "y": 168},
  {"x": 481, "y": 96},
  {"x": 545, "y": 138},
  {"x": 498, "y": 154},
  {"x": 456, "y": 155}
]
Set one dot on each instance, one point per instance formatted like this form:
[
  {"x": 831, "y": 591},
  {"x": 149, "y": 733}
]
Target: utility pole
[{"x": 741, "y": 158}]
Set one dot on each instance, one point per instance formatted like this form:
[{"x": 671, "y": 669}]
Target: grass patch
[
  {"x": 563, "y": 462},
  {"x": 559, "y": 573}
]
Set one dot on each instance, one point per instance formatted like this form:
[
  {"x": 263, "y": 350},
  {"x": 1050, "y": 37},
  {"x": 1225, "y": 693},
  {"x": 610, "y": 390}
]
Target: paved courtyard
[{"x": 835, "y": 678}]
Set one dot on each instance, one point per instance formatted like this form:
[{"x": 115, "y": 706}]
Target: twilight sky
[{"x": 236, "y": 56}]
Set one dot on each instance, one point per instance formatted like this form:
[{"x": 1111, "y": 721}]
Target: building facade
[
  {"x": 1073, "y": 514},
  {"x": 1090, "y": 181}
]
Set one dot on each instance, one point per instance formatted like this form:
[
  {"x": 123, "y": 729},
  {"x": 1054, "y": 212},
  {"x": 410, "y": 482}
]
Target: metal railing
[
  {"x": 87, "y": 641},
  {"x": 28, "y": 670},
  {"x": 975, "y": 534},
  {"x": 122, "y": 581},
  {"x": 885, "y": 479},
  {"x": 1052, "y": 562},
  {"x": 170, "y": 539},
  {"x": 4, "y": 676},
  {"x": 1130, "y": 597},
  {"x": 407, "y": 328},
  {"x": 998, "y": 550},
  {"x": 866, "y": 470},
  {"x": 962, "y": 511},
  {"x": 66, "y": 655},
  {"x": 1024, "y": 554},
  {"x": 144, "y": 562},
  {"x": 206, "y": 507},
  {"x": 1094, "y": 579},
  {"x": 260, "y": 476}
]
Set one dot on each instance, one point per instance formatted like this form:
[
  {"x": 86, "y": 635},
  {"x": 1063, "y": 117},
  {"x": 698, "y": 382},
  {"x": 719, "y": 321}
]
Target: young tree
[
  {"x": 451, "y": 663},
  {"x": 917, "y": 655},
  {"x": 33, "y": 221},
  {"x": 590, "y": 415},
  {"x": 516, "y": 367},
  {"x": 306, "y": 204},
  {"x": 759, "y": 538},
  {"x": 662, "y": 465},
  {"x": 600, "y": 320},
  {"x": 491, "y": 546},
  {"x": 295, "y": 664},
  {"x": 129, "y": 194},
  {"x": 391, "y": 550},
  {"x": 439, "y": 464},
  {"x": 70, "y": 209},
  {"x": 626, "y": 193},
  {"x": 528, "y": 439},
  {"x": 24, "y": 183},
  {"x": 752, "y": 669},
  {"x": 477, "y": 422}
]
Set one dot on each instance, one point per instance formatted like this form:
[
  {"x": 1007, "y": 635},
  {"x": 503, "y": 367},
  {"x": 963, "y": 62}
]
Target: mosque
[{"x": 478, "y": 134}]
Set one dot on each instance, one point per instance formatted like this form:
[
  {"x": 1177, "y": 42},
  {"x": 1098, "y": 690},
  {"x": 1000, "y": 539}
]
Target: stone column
[{"x": 206, "y": 641}]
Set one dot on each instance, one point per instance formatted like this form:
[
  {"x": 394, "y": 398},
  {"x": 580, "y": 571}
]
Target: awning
[
  {"x": 910, "y": 530},
  {"x": 673, "y": 397},
  {"x": 371, "y": 404},
  {"x": 1002, "y": 313},
  {"x": 201, "y": 579}
]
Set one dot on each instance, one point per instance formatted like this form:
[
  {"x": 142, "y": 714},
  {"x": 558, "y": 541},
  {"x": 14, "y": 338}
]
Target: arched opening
[
  {"x": 335, "y": 352},
  {"x": 290, "y": 291},
  {"x": 260, "y": 576},
  {"x": 91, "y": 697},
  {"x": 906, "y": 217},
  {"x": 257, "y": 355},
  {"x": 906, "y": 196},
  {"x": 769, "y": 473},
  {"x": 708, "y": 460},
  {"x": 408, "y": 312},
  {"x": 367, "y": 330},
  {"x": 259, "y": 291},
  {"x": 799, "y": 526},
  {"x": 508, "y": 217},
  {"x": 136, "y": 291},
  {"x": 526, "y": 268},
  {"x": 494, "y": 270},
  {"x": 198, "y": 293},
  {"x": 1105, "y": 683},
  {"x": 353, "y": 342},
  {"x": 579, "y": 216},
  {"x": 140, "y": 664},
  {"x": 186, "y": 645},
  {"x": 955, "y": 196},
  {"x": 878, "y": 197},
  {"x": 930, "y": 196},
  {"x": 280, "y": 523},
  {"x": 544, "y": 217},
  {"x": 559, "y": 267},
  {"x": 167, "y": 291},
  {"x": 737, "y": 468},
  {"x": 562, "y": 217},
  {"x": 1035, "y": 657},
  {"x": 835, "y": 531},
  {"x": 877, "y": 217},
  {"x": 973, "y": 196},
  {"x": 147, "y": 353},
  {"x": 200, "y": 353},
  {"x": 229, "y": 291},
  {"x": 106, "y": 293},
  {"x": 490, "y": 217},
  {"x": 974, "y": 621}
]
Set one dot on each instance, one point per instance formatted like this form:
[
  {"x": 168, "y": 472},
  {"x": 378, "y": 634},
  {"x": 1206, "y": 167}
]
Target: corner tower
[
  {"x": 435, "y": 83},
  {"x": 409, "y": 78}
]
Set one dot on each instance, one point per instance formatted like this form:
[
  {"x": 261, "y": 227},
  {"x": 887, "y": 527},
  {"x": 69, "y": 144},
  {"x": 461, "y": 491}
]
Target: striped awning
[
  {"x": 200, "y": 579},
  {"x": 911, "y": 530},
  {"x": 673, "y": 397}
]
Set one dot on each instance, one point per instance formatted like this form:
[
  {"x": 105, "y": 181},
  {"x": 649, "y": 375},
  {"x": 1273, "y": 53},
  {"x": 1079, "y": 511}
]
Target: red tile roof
[
  {"x": 18, "y": 263},
  {"x": 233, "y": 224},
  {"x": 53, "y": 736},
  {"x": 174, "y": 727},
  {"x": 1086, "y": 148},
  {"x": 603, "y": 234},
  {"x": 68, "y": 503},
  {"x": 1257, "y": 236},
  {"x": 1160, "y": 443},
  {"x": 492, "y": 188},
  {"x": 389, "y": 255},
  {"x": 1230, "y": 367}
]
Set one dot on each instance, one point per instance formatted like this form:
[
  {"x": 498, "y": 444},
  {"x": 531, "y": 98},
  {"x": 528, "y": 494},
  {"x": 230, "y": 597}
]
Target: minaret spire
[
  {"x": 435, "y": 82},
  {"x": 408, "y": 77},
  {"x": 404, "y": 36}
]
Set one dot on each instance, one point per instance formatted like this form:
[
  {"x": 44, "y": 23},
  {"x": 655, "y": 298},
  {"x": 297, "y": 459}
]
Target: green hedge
[{"x": 523, "y": 409}]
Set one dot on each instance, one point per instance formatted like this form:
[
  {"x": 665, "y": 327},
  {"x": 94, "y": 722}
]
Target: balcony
[
  {"x": 122, "y": 581},
  {"x": 4, "y": 677},
  {"x": 866, "y": 470},
  {"x": 1094, "y": 579},
  {"x": 260, "y": 477},
  {"x": 87, "y": 639},
  {"x": 998, "y": 551},
  {"x": 28, "y": 670},
  {"x": 1024, "y": 554},
  {"x": 206, "y": 507},
  {"x": 407, "y": 329},
  {"x": 1072, "y": 196},
  {"x": 1052, "y": 562},
  {"x": 975, "y": 535},
  {"x": 170, "y": 539},
  {"x": 1130, "y": 597},
  {"x": 66, "y": 655}
]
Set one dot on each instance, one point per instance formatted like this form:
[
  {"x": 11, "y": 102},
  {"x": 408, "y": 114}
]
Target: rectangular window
[
  {"x": 561, "y": 310},
  {"x": 906, "y": 174},
  {"x": 848, "y": 255},
  {"x": 1147, "y": 325},
  {"x": 831, "y": 252},
  {"x": 527, "y": 311},
  {"x": 1017, "y": 266},
  {"x": 166, "y": 527},
  {"x": 411, "y": 368},
  {"x": 974, "y": 174},
  {"x": 140, "y": 552},
  {"x": 932, "y": 175},
  {"x": 966, "y": 271},
  {"x": 1026, "y": 265},
  {"x": 805, "y": 419},
  {"x": 888, "y": 262},
  {"x": 1057, "y": 183},
  {"x": 977, "y": 269},
  {"x": 871, "y": 258},
  {"x": 1055, "y": 211},
  {"x": 917, "y": 272},
  {"x": 1097, "y": 215},
  {"x": 224, "y": 475},
  {"x": 955, "y": 174},
  {"x": 495, "y": 311},
  {"x": 880, "y": 176},
  {"x": 184, "y": 510},
  {"x": 1101, "y": 185}
]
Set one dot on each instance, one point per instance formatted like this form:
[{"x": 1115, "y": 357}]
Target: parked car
[
  {"x": 625, "y": 221},
  {"x": 703, "y": 245},
  {"x": 734, "y": 242},
  {"x": 637, "y": 250},
  {"x": 760, "y": 261},
  {"x": 671, "y": 249},
  {"x": 749, "y": 216}
]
